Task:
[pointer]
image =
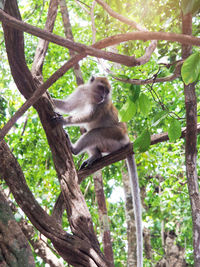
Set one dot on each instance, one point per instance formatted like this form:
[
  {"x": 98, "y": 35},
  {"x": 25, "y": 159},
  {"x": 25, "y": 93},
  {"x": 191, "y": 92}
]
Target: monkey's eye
[{"x": 106, "y": 90}]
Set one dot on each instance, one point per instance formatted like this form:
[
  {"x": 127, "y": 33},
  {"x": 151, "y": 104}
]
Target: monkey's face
[{"x": 101, "y": 89}]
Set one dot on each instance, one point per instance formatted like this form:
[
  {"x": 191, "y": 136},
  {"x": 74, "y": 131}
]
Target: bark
[
  {"x": 149, "y": 50},
  {"x": 103, "y": 218},
  {"x": 40, "y": 247},
  {"x": 69, "y": 35},
  {"x": 43, "y": 44},
  {"x": 14, "y": 248},
  {"x": 73, "y": 248},
  {"x": 147, "y": 243},
  {"x": 174, "y": 255},
  {"x": 82, "y": 248},
  {"x": 191, "y": 146},
  {"x": 94, "y": 50},
  {"x": 122, "y": 154},
  {"x": 130, "y": 220}
]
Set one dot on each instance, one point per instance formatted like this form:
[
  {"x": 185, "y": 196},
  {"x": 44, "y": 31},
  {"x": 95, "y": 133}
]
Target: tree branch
[
  {"x": 70, "y": 247},
  {"x": 80, "y": 48},
  {"x": 43, "y": 44},
  {"x": 69, "y": 35},
  {"x": 175, "y": 75},
  {"x": 121, "y": 18},
  {"x": 150, "y": 49},
  {"x": 40, "y": 247},
  {"x": 87, "y": 253},
  {"x": 91, "y": 50},
  {"x": 122, "y": 154},
  {"x": 191, "y": 145}
]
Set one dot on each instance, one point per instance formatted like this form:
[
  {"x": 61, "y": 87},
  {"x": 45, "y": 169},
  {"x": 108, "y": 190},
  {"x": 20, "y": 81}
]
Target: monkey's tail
[{"x": 135, "y": 191}]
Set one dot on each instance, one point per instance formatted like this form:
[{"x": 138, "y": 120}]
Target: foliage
[
  {"x": 191, "y": 69},
  {"x": 148, "y": 109}
]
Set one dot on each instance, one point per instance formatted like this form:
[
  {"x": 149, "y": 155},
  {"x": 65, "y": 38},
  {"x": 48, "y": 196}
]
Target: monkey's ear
[{"x": 92, "y": 79}]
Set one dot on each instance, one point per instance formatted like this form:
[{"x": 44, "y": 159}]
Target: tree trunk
[
  {"x": 130, "y": 220},
  {"x": 14, "y": 247},
  {"x": 103, "y": 218},
  {"x": 78, "y": 214},
  {"x": 191, "y": 146}
]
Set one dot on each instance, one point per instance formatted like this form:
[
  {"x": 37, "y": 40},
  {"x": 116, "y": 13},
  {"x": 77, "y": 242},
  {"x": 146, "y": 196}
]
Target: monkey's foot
[
  {"x": 89, "y": 162},
  {"x": 83, "y": 165}
]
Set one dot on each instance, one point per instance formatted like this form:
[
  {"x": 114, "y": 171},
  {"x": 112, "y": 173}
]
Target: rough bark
[
  {"x": 78, "y": 214},
  {"x": 40, "y": 247},
  {"x": 14, "y": 247},
  {"x": 191, "y": 146},
  {"x": 103, "y": 217},
  {"x": 130, "y": 220},
  {"x": 75, "y": 249}
]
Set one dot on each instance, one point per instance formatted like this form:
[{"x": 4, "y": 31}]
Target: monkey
[{"x": 90, "y": 106}]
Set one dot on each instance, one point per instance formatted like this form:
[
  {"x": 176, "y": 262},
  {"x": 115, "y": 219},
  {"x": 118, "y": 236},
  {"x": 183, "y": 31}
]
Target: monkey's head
[{"x": 101, "y": 89}]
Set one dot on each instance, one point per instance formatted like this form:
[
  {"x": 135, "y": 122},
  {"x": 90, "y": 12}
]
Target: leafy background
[{"x": 148, "y": 109}]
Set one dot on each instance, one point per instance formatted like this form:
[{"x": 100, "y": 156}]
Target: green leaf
[
  {"x": 144, "y": 104},
  {"x": 134, "y": 92},
  {"x": 190, "y": 6},
  {"x": 127, "y": 111},
  {"x": 190, "y": 70},
  {"x": 174, "y": 131},
  {"x": 142, "y": 143},
  {"x": 159, "y": 117}
]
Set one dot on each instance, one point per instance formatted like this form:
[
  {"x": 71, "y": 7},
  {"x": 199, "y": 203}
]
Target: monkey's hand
[{"x": 57, "y": 119}]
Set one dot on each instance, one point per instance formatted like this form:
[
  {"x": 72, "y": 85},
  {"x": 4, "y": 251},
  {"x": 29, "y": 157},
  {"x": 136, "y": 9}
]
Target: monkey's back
[{"x": 106, "y": 115}]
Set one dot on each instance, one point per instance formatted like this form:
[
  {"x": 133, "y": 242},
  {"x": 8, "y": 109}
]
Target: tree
[{"x": 153, "y": 108}]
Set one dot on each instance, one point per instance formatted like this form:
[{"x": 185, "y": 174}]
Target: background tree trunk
[
  {"x": 191, "y": 146},
  {"x": 14, "y": 248}
]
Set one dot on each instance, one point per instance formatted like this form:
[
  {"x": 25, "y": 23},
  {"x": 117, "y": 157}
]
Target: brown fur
[{"x": 90, "y": 106}]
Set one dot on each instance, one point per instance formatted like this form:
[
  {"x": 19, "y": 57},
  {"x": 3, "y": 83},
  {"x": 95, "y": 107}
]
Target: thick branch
[
  {"x": 87, "y": 253},
  {"x": 70, "y": 247},
  {"x": 123, "y": 153},
  {"x": 144, "y": 36},
  {"x": 150, "y": 49}
]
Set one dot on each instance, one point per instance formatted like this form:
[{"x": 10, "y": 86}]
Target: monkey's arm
[
  {"x": 71, "y": 103},
  {"x": 65, "y": 106},
  {"x": 78, "y": 119}
]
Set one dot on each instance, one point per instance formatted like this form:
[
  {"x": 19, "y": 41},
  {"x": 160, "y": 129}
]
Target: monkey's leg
[{"x": 87, "y": 142}]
